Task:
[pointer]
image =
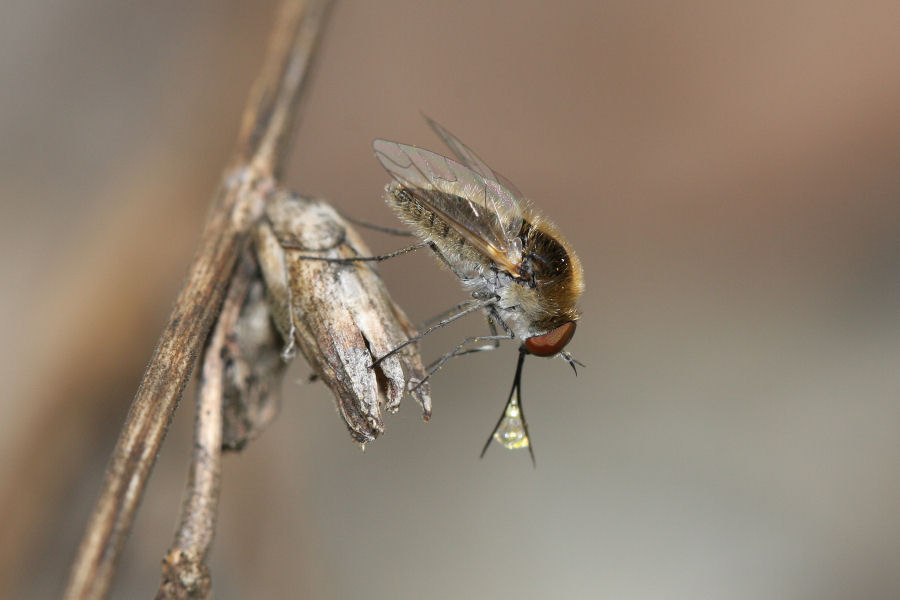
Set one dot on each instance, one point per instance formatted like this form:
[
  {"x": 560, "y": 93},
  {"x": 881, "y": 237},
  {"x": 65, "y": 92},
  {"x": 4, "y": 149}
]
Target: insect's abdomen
[{"x": 432, "y": 227}]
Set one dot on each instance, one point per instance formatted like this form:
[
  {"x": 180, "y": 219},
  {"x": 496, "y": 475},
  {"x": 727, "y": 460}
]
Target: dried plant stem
[
  {"x": 236, "y": 206},
  {"x": 185, "y": 574}
]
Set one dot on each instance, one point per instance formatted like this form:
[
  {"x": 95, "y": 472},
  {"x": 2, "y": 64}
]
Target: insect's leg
[
  {"x": 341, "y": 240},
  {"x": 572, "y": 361},
  {"x": 381, "y": 228},
  {"x": 494, "y": 340},
  {"x": 453, "y": 268},
  {"x": 470, "y": 307},
  {"x": 495, "y": 316},
  {"x": 443, "y": 314},
  {"x": 354, "y": 259},
  {"x": 516, "y": 387},
  {"x": 459, "y": 351}
]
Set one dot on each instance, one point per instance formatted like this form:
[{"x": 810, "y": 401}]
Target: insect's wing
[
  {"x": 505, "y": 198},
  {"x": 462, "y": 197},
  {"x": 461, "y": 151}
]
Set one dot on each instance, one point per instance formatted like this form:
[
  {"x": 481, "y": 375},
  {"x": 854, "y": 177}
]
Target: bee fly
[
  {"x": 517, "y": 266},
  {"x": 515, "y": 263}
]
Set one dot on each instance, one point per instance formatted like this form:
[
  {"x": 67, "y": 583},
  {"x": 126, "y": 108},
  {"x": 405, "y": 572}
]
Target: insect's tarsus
[
  {"x": 516, "y": 387},
  {"x": 354, "y": 259},
  {"x": 572, "y": 361}
]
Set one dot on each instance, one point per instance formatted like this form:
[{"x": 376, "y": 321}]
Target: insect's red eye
[{"x": 551, "y": 342}]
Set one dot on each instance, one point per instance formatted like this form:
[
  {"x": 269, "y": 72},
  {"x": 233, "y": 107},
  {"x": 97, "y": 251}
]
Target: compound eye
[{"x": 551, "y": 342}]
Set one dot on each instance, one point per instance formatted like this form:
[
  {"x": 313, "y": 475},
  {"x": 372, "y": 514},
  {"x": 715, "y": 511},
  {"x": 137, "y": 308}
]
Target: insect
[{"x": 517, "y": 266}]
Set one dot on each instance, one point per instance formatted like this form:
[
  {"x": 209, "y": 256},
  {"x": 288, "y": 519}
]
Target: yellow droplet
[{"x": 511, "y": 432}]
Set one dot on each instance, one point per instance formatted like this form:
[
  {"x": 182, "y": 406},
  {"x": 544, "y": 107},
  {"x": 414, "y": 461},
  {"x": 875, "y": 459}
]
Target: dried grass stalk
[{"x": 237, "y": 205}]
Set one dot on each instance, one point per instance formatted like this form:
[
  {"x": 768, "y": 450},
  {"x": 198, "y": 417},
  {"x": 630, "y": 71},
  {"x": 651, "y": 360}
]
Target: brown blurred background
[{"x": 728, "y": 171}]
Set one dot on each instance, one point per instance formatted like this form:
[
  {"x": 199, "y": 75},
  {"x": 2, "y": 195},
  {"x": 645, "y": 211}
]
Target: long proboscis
[{"x": 516, "y": 386}]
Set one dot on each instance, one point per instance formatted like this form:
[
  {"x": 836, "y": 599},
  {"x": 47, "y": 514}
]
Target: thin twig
[
  {"x": 237, "y": 204},
  {"x": 185, "y": 574}
]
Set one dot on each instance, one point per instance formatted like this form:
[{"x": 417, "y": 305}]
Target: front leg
[{"x": 461, "y": 350}]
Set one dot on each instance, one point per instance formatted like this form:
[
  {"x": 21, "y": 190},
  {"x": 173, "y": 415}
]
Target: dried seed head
[{"x": 339, "y": 314}]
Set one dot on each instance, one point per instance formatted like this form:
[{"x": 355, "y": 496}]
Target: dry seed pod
[{"x": 338, "y": 314}]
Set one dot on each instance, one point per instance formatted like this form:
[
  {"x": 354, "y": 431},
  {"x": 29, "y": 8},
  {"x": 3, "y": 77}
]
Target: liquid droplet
[{"x": 511, "y": 432}]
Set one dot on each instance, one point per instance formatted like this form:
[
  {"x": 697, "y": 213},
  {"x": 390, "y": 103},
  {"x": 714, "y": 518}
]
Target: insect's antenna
[
  {"x": 354, "y": 259},
  {"x": 516, "y": 387},
  {"x": 572, "y": 361}
]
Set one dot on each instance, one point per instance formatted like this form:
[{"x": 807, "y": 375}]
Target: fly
[{"x": 515, "y": 263}]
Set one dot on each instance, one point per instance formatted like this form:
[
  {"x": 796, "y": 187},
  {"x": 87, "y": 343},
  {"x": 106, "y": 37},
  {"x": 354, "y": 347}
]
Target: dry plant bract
[{"x": 339, "y": 315}]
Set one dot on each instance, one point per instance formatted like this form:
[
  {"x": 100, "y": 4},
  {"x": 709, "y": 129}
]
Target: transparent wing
[
  {"x": 504, "y": 197},
  {"x": 480, "y": 209}
]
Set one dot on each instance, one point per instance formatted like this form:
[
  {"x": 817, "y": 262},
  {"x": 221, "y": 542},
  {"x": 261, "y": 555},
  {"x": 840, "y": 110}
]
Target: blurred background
[{"x": 729, "y": 173}]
